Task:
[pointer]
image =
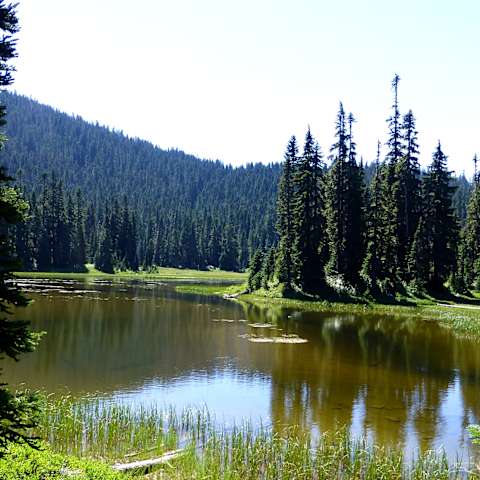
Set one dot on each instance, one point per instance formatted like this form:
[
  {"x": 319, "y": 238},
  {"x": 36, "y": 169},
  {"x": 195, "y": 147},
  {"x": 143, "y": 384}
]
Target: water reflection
[{"x": 398, "y": 381}]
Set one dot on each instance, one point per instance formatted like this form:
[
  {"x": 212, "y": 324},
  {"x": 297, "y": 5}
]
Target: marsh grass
[
  {"x": 96, "y": 428},
  {"x": 210, "y": 290}
]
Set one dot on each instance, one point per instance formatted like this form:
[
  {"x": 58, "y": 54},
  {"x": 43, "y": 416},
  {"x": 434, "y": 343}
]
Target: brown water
[{"x": 399, "y": 382}]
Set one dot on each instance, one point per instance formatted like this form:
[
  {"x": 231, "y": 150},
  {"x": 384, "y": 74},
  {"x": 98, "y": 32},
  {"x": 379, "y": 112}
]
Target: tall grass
[{"x": 97, "y": 428}]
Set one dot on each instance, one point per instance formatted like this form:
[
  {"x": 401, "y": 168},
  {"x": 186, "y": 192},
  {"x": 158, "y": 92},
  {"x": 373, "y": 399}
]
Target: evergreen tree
[
  {"x": 344, "y": 208},
  {"x": 395, "y": 141},
  {"x": 308, "y": 218},
  {"x": 406, "y": 191},
  {"x": 285, "y": 220},
  {"x": 420, "y": 255},
  {"x": 469, "y": 255},
  {"x": 17, "y": 411},
  {"x": 229, "y": 250},
  {"x": 391, "y": 200},
  {"x": 268, "y": 268},
  {"x": 432, "y": 258},
  {"x": 78, "y": 254},
  {"x": 255, "y": 271},
  {"x": 104, "y": 258},
  {"x": 372, "y": 272}
]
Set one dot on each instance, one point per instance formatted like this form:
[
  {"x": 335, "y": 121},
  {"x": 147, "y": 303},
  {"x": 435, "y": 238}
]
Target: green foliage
[
  {"x": 372, "y": 271},
  {"x": 268, "y": 267},
  {"x": 344, "y": 209},
  {"x": 17, "y": 411},
  {"x": 438, "y": 239},
  {"x": 468, "y": 264},
  {"x": 474, "y": 431},
  {"x": 407, "y": 193},
  {"x": 285, "y": 219},
  {"x": 308, "y": 220},
  {"x": 22, "y": 462},
  {"x": 255, "y": 271},
  {"x": 398, "y": 236}
]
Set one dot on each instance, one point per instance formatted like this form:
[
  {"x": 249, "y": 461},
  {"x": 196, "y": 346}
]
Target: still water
[{"x": 399, "y": 382}]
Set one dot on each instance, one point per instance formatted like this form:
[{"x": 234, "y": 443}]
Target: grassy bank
[
  {"x": 95, "y": 429},
  {"x": 463, "y": 318},
  {"x": 160, "y": 273}
]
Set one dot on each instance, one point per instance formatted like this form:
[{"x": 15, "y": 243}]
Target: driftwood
[
  {"x": 234, "y": 295},
  {"x": 145, "y": 464}
]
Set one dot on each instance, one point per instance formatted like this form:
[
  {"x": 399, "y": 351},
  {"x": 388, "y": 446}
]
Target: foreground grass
[
  {"x": 160, "y": 273},
  {"x": 95, "y": 428}
]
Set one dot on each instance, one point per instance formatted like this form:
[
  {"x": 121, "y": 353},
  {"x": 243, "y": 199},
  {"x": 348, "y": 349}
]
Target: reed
[{"x": 97, "y": 428}]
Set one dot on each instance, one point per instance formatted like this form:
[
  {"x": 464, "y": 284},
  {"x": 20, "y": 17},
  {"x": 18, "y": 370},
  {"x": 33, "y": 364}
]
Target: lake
[{"x": 397, "y": 381}]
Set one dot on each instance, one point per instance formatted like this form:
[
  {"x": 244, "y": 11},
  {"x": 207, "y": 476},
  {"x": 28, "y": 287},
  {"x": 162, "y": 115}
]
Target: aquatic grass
[
  {"x": 95, "y": 427},
  {"x": 99, "y": 428},
  {"x": 211, "y": 290}
]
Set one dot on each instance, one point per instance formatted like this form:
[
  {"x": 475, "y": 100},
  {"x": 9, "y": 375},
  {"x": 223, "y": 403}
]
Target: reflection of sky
[
  {"x": 451, "y": 434},
  {"x": 229, "y": 396},
  {"x": 234, "y": 397}
]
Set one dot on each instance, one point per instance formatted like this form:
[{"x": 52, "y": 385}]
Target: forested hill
[{"x": 190, "y": 211}]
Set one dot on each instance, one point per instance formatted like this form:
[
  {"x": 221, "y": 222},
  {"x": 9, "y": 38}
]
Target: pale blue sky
[{"x": 234, "y": 80}]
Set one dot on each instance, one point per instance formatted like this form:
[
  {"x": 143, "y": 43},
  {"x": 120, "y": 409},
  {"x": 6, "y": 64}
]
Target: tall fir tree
[
  {"x": 406, "y": 192},
  {"x": 468, "y": 271},
  {"x": 372, "y": 272},
  {"x": 104, "y": 260},
  {"x": 254, "y": 281},
  {"x": 17, "y": 411},
  {"x": 433, "y": 251},
  {"x": 307, "y": 255},
  {"x": 285, "y": 220},
  {"x": 344, "y": 207},
  {"x": 390, "y": 205},
  {"x": 268, "y": 267}
]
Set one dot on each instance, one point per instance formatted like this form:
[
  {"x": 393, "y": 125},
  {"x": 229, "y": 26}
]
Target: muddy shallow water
[{"x": 399, "y": 382}]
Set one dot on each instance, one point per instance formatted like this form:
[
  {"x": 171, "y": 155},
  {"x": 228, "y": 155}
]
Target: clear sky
[{"x": 234, "y": 80}]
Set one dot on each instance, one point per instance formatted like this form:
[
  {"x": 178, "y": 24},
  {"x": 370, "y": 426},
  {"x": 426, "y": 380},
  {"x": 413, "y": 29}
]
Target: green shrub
[{"x": 22, "y": 462}]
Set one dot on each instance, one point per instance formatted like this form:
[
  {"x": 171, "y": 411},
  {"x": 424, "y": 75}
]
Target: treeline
[
  {"x": 65, "y": 231},
  {"x": 183, "y": 211},
  {"x": 398, "y": 233}
]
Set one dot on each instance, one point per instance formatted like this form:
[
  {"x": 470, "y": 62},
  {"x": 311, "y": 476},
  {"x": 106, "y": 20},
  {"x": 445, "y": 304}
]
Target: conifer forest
[
  {"x": 298, "y": 297},
  {"x": 321, "y": 221},
  {"x": 401, "y": 230}
]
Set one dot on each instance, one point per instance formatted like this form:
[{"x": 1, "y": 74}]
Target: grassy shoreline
[
  {"x": 160, "y": 273},
  {"x": 90, "y": 434},
  {"x": 462, "y": 318}
]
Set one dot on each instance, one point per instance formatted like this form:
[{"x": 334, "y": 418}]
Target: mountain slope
[{"x": 169, "y": 188}]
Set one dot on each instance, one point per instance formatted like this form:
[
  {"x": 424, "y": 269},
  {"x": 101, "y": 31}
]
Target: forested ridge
[{"x": 100, "y": 196}]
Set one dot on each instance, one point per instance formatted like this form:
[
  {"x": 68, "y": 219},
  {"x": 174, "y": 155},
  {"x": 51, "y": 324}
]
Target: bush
[{"x": 22, "y": 462}]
